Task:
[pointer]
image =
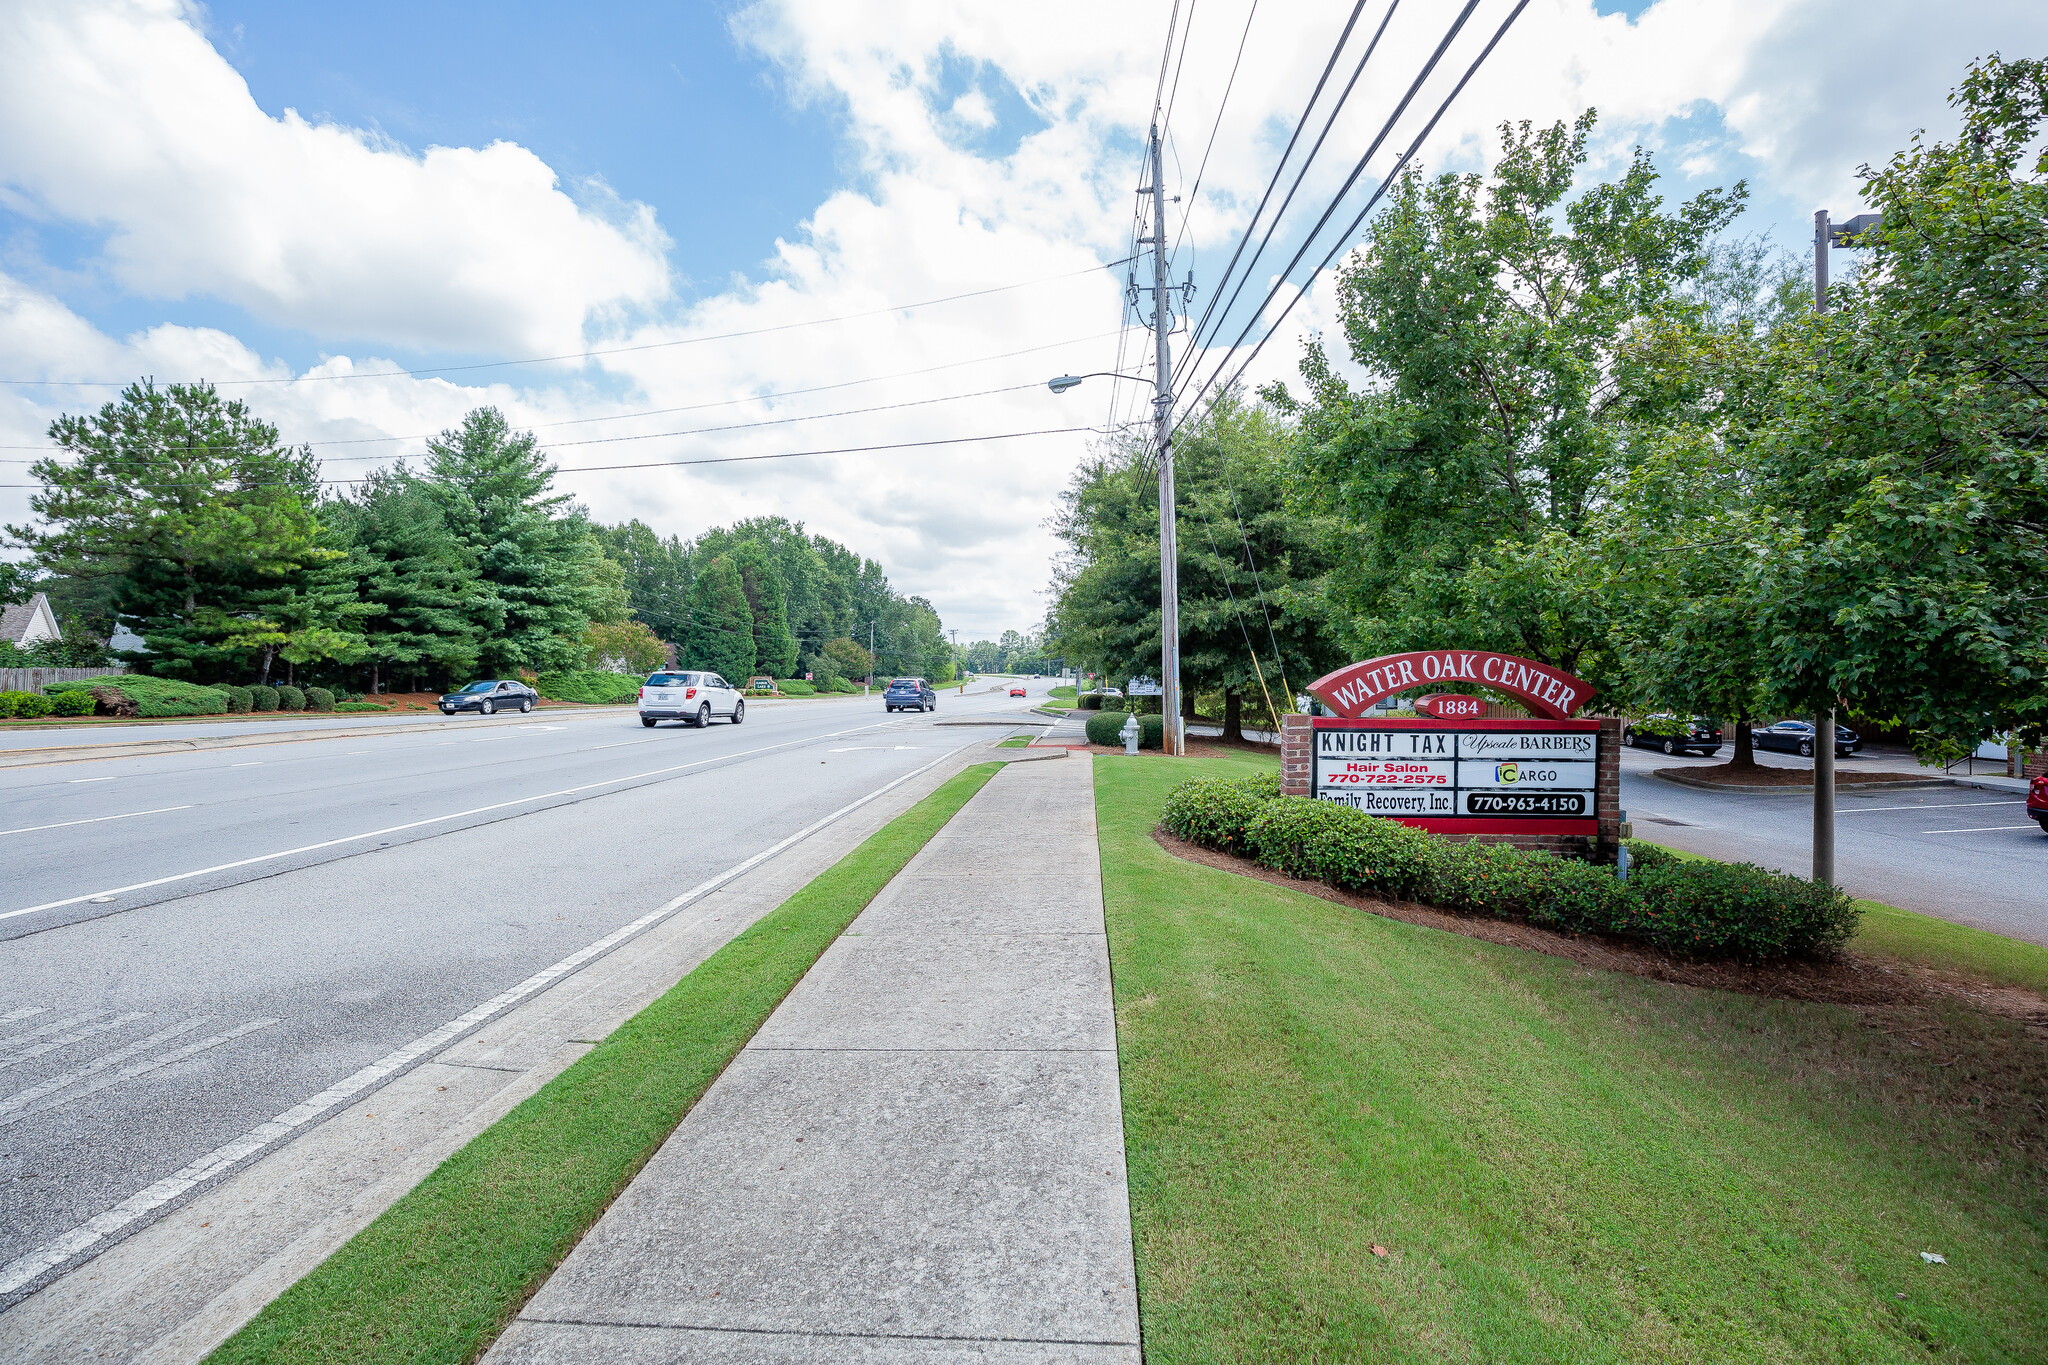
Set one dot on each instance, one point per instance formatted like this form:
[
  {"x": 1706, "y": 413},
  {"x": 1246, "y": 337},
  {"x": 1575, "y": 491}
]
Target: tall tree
[
  {"x": 433, "y": 612},
  {"x": 547, "y": 573},
  {"x": 657, "y": 573},
  {"x": 775, "y": 650},
  {"x": 191, "y": 505},
  {"x": 721, "y": 632},
  {"x": 1493, "y": 317}
]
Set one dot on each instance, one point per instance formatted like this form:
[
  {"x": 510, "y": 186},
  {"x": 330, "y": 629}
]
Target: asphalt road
[
  {"x": 1959, "y": 853},
  {"x": 192, "y": 943}
]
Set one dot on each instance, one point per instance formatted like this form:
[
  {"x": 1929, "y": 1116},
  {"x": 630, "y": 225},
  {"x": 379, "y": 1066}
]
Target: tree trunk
[
  {"x": 1745, "y": 751},
  {"x": 1233, "y": 717},
  {"x": 1187, "y": 704},
  {"x": 263, "y": 677}
]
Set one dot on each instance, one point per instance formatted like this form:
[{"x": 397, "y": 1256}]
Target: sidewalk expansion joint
[{"x": 822, "y": 1336}]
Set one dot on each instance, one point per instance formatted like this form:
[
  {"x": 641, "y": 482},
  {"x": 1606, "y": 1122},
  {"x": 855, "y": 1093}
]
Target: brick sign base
[{"x": 1297, "y": 767}]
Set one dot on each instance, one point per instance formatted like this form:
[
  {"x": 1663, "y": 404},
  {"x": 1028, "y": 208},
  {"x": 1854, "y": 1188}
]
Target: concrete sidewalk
[{"x": 918, "y": 1158}]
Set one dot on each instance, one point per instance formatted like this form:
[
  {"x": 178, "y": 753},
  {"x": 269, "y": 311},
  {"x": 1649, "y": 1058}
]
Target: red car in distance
[{"x": 1016, "y": 691}]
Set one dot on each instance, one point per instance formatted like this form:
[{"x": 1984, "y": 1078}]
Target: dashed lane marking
[
  {"x": 97, "y": 819},
  {"x": 21, "y": 1099}
]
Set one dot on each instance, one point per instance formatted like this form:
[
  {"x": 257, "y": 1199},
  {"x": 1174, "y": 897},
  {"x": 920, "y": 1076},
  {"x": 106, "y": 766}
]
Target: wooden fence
[{"x": 36, "y": 679}]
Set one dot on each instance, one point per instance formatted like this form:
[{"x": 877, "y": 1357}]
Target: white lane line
[
  {"x": 77, "y": 780},
  {"x": 56, "y": 1252},
  {"x": 21, "y": 1099},
  {"x": 129, "y": 1073},
  {"x": 97, "y": 819},
  {"x": 75, "y": 1036},
  {"x": 1941, "y": 805},
  {"x": 13, "y": 1015},
  {"x": 58, "y": 1027},
  {"x": 414, "y": 824},
  {"x": 1981, "y": 829},
  {"x": 245, "y": 765}
]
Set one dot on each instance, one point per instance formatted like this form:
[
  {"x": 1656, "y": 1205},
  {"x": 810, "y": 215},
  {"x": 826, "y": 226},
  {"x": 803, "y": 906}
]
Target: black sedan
[
  {"x": 491, "y": 695},
  {"x": 1674, "y": 735},
  {"x": 1796, "y": 737}
]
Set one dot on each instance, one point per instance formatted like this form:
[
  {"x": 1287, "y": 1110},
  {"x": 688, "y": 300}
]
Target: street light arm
[{"x": 1068, "y": 381}]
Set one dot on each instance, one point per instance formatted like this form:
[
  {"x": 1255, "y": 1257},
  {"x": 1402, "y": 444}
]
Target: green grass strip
[
  {"x": 443, "y": 1270},
  {"x": 1559, "y": 1164},
  {"x": 1017, "y": 743}
]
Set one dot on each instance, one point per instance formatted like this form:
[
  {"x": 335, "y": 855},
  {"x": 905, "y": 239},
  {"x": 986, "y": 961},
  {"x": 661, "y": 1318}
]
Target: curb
[
  {"x": 1003, "y": 724},
  {"x": 143, "y": 748},
  {"x": 1805, "y": 787}
]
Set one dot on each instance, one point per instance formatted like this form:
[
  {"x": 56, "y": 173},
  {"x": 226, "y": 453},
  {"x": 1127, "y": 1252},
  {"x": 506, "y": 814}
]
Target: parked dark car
[
  {"x": 910, "y": 694},
  {"x": 1674, "y": 735},
  {"x": 491, "y": 695},
  {"x": 1796, "y": 737},
  {"x": 2037, "y": 802}
]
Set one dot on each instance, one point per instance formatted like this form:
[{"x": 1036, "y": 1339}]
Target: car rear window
[
  {"x": 906, "y": 682},
  {"x": 672, "y": 680}
]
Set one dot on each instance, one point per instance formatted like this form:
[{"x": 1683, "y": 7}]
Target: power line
[
  {"x": 1388, "y": 127},
  {"x": 1217, "y": 125},
  {"x": 693, "y": 407},
  {"x": 649, "y": 464},
  {"x": 1345, "y": 237},
  {"x": 1279, "y": 168},
  {"x": 1195, "y": 342},
  {"x": 612, "y": 350},
  {"x": 658, "y": 435}
]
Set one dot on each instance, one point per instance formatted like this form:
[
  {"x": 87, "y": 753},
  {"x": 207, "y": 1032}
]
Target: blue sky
[{"x": 285, "y": 198}]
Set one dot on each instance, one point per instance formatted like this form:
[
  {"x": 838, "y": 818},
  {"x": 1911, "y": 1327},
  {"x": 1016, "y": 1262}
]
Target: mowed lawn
[{"x": 1559, "y": 1165}]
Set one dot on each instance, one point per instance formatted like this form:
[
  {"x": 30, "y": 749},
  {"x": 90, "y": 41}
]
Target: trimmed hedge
[
  {"x": 795, "y": 687},
  {"x": 1687, "y": 908},
  {"x": 1106, "y": 727},
  {"x": 26, "y": 705},
  {"x": 240, "y": 699},
  {"x": 1089, "y": 701},
  {"x": 590, "y": 687},
  {"x": 319, "y": 699},
  {"x": 135, "y": 694},
  {"x": 290, "y": 698},
  {"x": 263, "y": 697},
  {"x": 360, "y": 707},
  {"x": 71, "y": 704}
]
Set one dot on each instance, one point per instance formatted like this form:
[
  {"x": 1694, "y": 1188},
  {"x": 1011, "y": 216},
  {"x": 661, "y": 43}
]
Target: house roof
[{"x": 17, "y": 617}]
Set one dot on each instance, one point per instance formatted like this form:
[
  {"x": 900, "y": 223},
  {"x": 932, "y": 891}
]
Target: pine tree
[
  {"x": 192, "y": 506},
  {"x": 774, "y": 646},
  {"x": 434, "y": 610},
  {"x": 721, "y": 633},
  {"x": 549, "y": 575}
]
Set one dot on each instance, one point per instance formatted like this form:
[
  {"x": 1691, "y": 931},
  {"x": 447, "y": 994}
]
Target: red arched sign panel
[{"x": 1546, "y": 691}]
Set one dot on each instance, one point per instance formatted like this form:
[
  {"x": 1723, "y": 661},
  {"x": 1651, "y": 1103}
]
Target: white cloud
[
  {"x": 1799, "y": 90},
  {"x": 120, "y": 115}
]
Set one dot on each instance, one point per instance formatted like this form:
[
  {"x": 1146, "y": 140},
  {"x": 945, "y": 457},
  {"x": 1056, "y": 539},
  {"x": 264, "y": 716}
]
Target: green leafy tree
[
  {"x": 847, "y": 659},
  {"x": 1254, "y": 621},
  {"x": 1495, "y": 318},
  {"x": 1905, "y": 480},
  {"x": 721, "y": 631},
  {"x": 657, "y": 571},
  {"x": 192, "y": 507},
  {"x": 625, "y": 646}
]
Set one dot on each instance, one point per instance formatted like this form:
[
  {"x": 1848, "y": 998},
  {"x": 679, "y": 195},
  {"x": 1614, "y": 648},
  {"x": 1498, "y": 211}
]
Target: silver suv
[{"x": 692, "y": 697}]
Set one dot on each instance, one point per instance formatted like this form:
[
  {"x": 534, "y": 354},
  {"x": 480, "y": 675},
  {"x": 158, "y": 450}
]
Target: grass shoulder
[
  {"x": 1354, "y": 1137},
  {"x": 438, "y": 1275}
]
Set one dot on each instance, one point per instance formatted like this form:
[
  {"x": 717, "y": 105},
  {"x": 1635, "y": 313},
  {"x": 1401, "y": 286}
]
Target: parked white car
[{"x": 691, "y": 697}]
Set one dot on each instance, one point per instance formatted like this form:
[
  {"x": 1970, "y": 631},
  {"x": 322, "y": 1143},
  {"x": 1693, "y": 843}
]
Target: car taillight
[
  {"x": 643, "y": 694},
  {"x": 691, "y": 692}
]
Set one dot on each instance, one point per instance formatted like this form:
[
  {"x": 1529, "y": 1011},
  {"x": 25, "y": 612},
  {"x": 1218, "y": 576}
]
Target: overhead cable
[{"x": 610, "y": 350}]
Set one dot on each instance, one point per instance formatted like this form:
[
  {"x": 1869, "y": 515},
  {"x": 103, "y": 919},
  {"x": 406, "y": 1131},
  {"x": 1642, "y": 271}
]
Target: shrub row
[
  {"x": 1106, "y": 727},
  {"x": 796, "y": 687},
  {"x": 1088, "y": 701},
  {"x": 133, "y": 694},
  {"x": 589, "y": 686},
  {"x": 1692, "y": 909},
  {"x": 26, "y": 705}
]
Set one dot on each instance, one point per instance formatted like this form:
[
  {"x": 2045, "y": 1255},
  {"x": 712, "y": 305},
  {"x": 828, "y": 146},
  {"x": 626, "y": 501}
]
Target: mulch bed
[
  {"x": 1727, "y": 775},
  {"x": 1850, "y": 979}
]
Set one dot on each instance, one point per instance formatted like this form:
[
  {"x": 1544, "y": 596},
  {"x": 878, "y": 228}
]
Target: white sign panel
[{"x": 1451, "y": 773}]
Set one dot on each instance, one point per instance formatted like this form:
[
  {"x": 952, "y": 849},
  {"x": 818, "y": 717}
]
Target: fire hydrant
[{"x": 1130, "y": 734}]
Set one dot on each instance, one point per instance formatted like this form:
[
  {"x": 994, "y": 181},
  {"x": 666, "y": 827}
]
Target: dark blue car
[{"x": 910, "y": 694}]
